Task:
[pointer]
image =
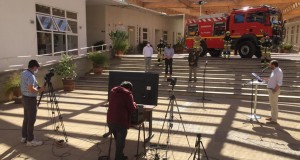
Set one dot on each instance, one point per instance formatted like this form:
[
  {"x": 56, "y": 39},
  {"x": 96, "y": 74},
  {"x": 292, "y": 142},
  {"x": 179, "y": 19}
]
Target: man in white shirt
[
  {"x": 274, "y": 83},
  {"x": 148, "y": 52}
]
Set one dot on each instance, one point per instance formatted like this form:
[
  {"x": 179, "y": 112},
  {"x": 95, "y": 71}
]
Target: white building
[{"x": 43, "y": 29}]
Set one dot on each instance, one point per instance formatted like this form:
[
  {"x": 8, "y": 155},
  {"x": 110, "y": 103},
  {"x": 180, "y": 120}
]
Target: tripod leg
[
  {"x": 182, "y": 122},
  {"x": 203, "y": 150},
  {"x": 55, "y": 102},
  {"x": 164, "y": 122}
]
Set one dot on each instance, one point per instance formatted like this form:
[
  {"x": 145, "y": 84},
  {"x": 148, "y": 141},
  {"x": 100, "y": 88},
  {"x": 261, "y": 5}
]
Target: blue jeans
[{"x": 120, "y": 134}]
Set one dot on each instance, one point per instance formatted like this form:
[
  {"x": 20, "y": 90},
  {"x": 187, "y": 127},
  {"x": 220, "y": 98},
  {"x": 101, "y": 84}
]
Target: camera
[
  {"x": 172, "y": 81},
  {"x": 49, "y": 75}
]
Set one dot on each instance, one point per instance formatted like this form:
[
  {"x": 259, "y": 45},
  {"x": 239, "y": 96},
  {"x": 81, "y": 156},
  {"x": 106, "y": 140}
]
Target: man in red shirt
[{"x": 121, "y": 106}]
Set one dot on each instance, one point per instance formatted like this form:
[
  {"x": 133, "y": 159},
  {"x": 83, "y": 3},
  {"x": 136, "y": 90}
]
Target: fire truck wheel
[
  {"x": 246, "y": 49},
  {"x": 215, "y": 52}
]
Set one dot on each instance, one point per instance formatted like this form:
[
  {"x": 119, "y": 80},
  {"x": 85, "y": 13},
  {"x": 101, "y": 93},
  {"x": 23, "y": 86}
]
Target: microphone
[{"x": 264, "y": 69}]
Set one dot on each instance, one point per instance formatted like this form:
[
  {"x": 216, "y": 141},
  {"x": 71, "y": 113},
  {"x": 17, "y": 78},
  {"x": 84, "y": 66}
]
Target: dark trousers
[
  {"x": 168, "y": 64},
  {"x": 120, "y": 134},
  {"x": 30, "y": 110}
]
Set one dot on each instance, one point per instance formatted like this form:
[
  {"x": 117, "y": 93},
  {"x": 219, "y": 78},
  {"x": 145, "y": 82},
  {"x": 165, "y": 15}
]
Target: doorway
[{"x": 131, "y": 39}]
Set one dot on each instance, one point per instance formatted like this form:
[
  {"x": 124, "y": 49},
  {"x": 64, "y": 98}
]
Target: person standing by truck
[
  {"x": 227, "y": 45},
  {"x": 266, "y": 44}
]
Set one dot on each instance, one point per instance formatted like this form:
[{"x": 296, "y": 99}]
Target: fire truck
[{"x": 247, "y": 26}]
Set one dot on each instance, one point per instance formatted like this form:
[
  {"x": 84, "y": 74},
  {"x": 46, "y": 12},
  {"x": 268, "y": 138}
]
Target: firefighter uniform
[
  {"x": 197, "y": 44},
  {"x": 160, "y": 55},
  {"x": 266, "y": 44},
  {"x": 227, "y": 45}
]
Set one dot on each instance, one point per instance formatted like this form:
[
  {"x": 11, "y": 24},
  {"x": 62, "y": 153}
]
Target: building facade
[{"x": 43, "y": 29}]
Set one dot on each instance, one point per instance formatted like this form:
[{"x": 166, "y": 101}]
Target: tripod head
[
  {"x": 198, "y": 139},
  {"x": 172, "y": 82}
]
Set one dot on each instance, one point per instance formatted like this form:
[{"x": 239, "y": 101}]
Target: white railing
[{"x": 20, "y": 62}]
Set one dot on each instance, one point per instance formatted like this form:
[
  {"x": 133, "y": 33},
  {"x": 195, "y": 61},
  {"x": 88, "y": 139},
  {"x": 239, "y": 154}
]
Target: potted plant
[
  {"x": 119, "y": 42},
  {"x": 286, "y": 47},
  {"x": 66, "y": 69},
  {"x": 100, "y": 60},
  {"x": 12, "y": 86}
]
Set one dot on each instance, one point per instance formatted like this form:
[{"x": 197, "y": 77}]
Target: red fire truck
[{"x": 247, "y": 26}]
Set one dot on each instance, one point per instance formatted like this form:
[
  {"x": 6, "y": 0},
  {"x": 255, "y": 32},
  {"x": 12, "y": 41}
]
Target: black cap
[{"x": 33, "y": 63}]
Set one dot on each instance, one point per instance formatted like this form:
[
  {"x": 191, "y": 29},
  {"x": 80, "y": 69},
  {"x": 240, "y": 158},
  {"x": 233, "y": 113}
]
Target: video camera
[
  {"x": 172, "y": 81},
  {"x": 49, "y": 75}
]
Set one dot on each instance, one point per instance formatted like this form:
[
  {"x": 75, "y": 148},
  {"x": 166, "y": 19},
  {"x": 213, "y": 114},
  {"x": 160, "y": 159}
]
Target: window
[
  {"x": 73, "y": 26},
  {"x": 292, "y": 35},
  {"x": 239, "y": 18},
  {"x": 145, "y": 34},
  {"x": 219, "y": 28},
  {"x": 44, "y": 43},
  {"x": 287, "y": 34},
  {"x": 42, "y": 9},
  {"x": 58, "y": 12},
  {"x": 59, "y": 42},
  {"x": 165, "y": 35},
  {"x": 71, "y": 15},
  {"x": 193, "y": 30},
  {"x": 46, "y": 22},
  {"x": 297, "y": 35},
  {"x": 256, "y": 17},
  {"x": 62, "y": 24},
  {"x": 57, "y": 30}
]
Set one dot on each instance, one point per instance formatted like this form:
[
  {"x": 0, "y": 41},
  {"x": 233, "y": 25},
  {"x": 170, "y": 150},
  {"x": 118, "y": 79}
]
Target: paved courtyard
[{"x": 226, "y": 134}]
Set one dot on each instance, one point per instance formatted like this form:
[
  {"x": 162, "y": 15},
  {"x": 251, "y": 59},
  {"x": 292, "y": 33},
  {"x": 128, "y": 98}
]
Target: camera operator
[
  {"x": 30, "y": 89},
  {"x": 121, "y": 106}
]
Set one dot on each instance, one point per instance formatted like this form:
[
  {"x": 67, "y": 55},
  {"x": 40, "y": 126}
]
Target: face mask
[{"x": 36, "y": 71}]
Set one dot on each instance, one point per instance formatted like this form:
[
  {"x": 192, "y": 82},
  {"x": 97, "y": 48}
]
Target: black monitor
[{"x": 145, "y": 85}]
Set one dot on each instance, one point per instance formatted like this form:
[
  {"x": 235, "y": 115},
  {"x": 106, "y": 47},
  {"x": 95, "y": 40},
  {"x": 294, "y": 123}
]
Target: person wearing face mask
[
  {"x": 160, "y": 55},
  {"x": 148, "y": 52},
  {"x": 169, "y": 53},
  {"x": 30, "y": 89}
]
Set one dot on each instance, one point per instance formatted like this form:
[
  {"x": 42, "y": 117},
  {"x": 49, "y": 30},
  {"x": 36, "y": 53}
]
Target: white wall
[
  {"x": 96, "y": 24},
  {"x": 18, "y": 35},
  {"x": 296, "y": 36},
  {"x": 136, "y": 17}
]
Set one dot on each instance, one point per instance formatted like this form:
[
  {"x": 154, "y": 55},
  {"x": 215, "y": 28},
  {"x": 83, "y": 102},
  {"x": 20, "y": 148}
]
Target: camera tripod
[
  {"x": 170, "y": 111},
  {"x": 197, "y": 155},
  {"x": 53, "y": 106}
]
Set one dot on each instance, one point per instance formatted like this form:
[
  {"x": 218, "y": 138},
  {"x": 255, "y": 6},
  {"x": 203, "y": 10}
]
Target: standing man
[
  {"x": 121, "y": 106},
  {"x": 30, "y": 89},
  {"x": 227, "y": 45},
  {"x": 169, "y": 53},
  {"x": 266, "y": 44},
  {"x": 197, "y": 44},
  {"x": 148, "y": 52},
  {"x": 160, "y": 49},
  {"x": 193, "y": 63},
  {"x": 274, "y": 83}
]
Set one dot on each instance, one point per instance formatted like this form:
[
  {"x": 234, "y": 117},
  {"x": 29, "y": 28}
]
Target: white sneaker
[
  {"x": 23, "y": 140},
  {"x": 34, "y": 143}
]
